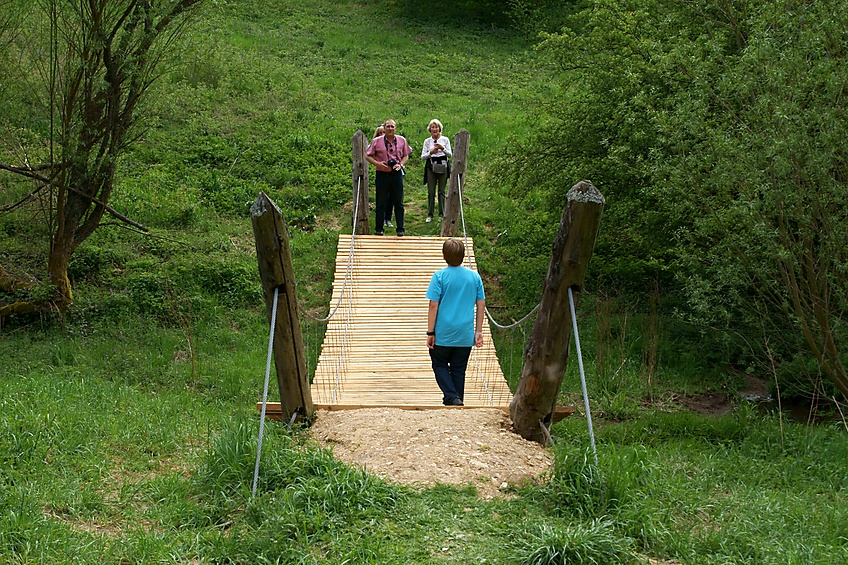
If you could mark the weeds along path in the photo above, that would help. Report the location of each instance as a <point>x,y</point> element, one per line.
<point>461,447</point>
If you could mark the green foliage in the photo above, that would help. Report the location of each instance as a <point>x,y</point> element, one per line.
<point>101,425</point>
<point>582,489</point>
<point>545,16</point>
<point>661,427</point>
<point>582,544</point>
<point>713,133</point>
<point>306,498</point>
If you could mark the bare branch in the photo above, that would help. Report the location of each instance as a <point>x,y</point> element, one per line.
<point>27,172</point>
<point>24,200</point>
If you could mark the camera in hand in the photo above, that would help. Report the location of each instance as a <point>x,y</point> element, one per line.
<point>392,163</point>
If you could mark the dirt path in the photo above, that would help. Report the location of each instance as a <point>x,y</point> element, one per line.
<point>428,447</point>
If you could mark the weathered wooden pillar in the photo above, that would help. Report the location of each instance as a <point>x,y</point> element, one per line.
<point>276,271</point>
<point>546,355</point>
<point>360,183</point>
<point>451,222</point>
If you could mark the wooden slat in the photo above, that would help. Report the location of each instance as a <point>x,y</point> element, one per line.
<point>376,339</point>
<point>273,410</point>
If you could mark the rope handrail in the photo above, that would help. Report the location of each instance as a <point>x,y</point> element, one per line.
<point>512,325</point>
<point>468,259</point>
<point>488,314</point>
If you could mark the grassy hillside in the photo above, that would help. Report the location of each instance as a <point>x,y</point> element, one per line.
<point>127,426</point>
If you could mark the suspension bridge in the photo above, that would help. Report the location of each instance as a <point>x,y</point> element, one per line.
<point>372,348</point>
<point>374,351</point>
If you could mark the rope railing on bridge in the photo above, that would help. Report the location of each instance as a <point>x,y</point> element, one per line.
<point>507,350</point>
<point>346,291</point>
<point>319,337</point>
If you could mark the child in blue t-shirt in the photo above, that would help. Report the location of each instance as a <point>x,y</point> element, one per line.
<point>452,325</point>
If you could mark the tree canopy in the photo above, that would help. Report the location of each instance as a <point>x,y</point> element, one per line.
<point>716,131</point>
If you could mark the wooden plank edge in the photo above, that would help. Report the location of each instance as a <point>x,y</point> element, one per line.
<point>274,411</point>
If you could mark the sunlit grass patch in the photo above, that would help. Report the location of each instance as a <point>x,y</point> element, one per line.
<point>579,543</point>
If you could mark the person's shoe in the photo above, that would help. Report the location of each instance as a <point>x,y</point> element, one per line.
<point>379,233</point>
<point>429,219</point>
<point>400,233</point>
<point>455,402</point>
<point>388,223</point>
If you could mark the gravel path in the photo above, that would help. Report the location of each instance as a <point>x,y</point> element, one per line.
<point>443,446</point>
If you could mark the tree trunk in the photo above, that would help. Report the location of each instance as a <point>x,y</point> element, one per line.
<point>546,355</point>
<point>112,50</point>
<point>57,264</point>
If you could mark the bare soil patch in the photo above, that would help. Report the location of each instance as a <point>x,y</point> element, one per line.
<point>713,404</point>
<point>462,447</point>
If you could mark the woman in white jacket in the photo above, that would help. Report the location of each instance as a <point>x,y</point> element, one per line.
<point>436,150</point>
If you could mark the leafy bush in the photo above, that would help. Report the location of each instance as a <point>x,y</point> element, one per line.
<point>721,167</point>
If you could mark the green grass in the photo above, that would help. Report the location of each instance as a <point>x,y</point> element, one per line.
<point>127,425</point>
<point>102,466</point>
<point>112,451</point>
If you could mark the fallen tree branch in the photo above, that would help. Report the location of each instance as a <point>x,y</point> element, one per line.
<point>150,235</point>
<point>29,172</point>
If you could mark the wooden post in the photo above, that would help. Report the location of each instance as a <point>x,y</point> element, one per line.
<point>546,355</point>
<point>450,224</point>
<point>360,184</point>
<point>276,271</point>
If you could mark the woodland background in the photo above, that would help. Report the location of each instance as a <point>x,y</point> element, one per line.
<point>715,130</point>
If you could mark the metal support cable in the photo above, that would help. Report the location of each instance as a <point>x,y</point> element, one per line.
<point>582,375</point>
<point>265,390</point>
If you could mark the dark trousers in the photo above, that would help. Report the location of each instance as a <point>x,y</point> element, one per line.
<point>389,185</point>
<point>432,180</point>
<point>449,365</point>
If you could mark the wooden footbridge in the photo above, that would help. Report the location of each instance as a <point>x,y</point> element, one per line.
<point>375,346</point>
<point>374,351</point>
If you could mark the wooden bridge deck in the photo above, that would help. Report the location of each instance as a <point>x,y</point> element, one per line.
<point>375,345</point>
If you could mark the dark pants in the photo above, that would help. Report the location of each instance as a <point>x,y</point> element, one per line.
<point>449,365</point>
<point>388,217</point>
<point>432,180</point>
<point>389,185</point>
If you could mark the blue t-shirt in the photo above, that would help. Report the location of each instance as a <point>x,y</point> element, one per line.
<point>457,290</point>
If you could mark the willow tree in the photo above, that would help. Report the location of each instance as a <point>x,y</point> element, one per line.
<point>98,59</point>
